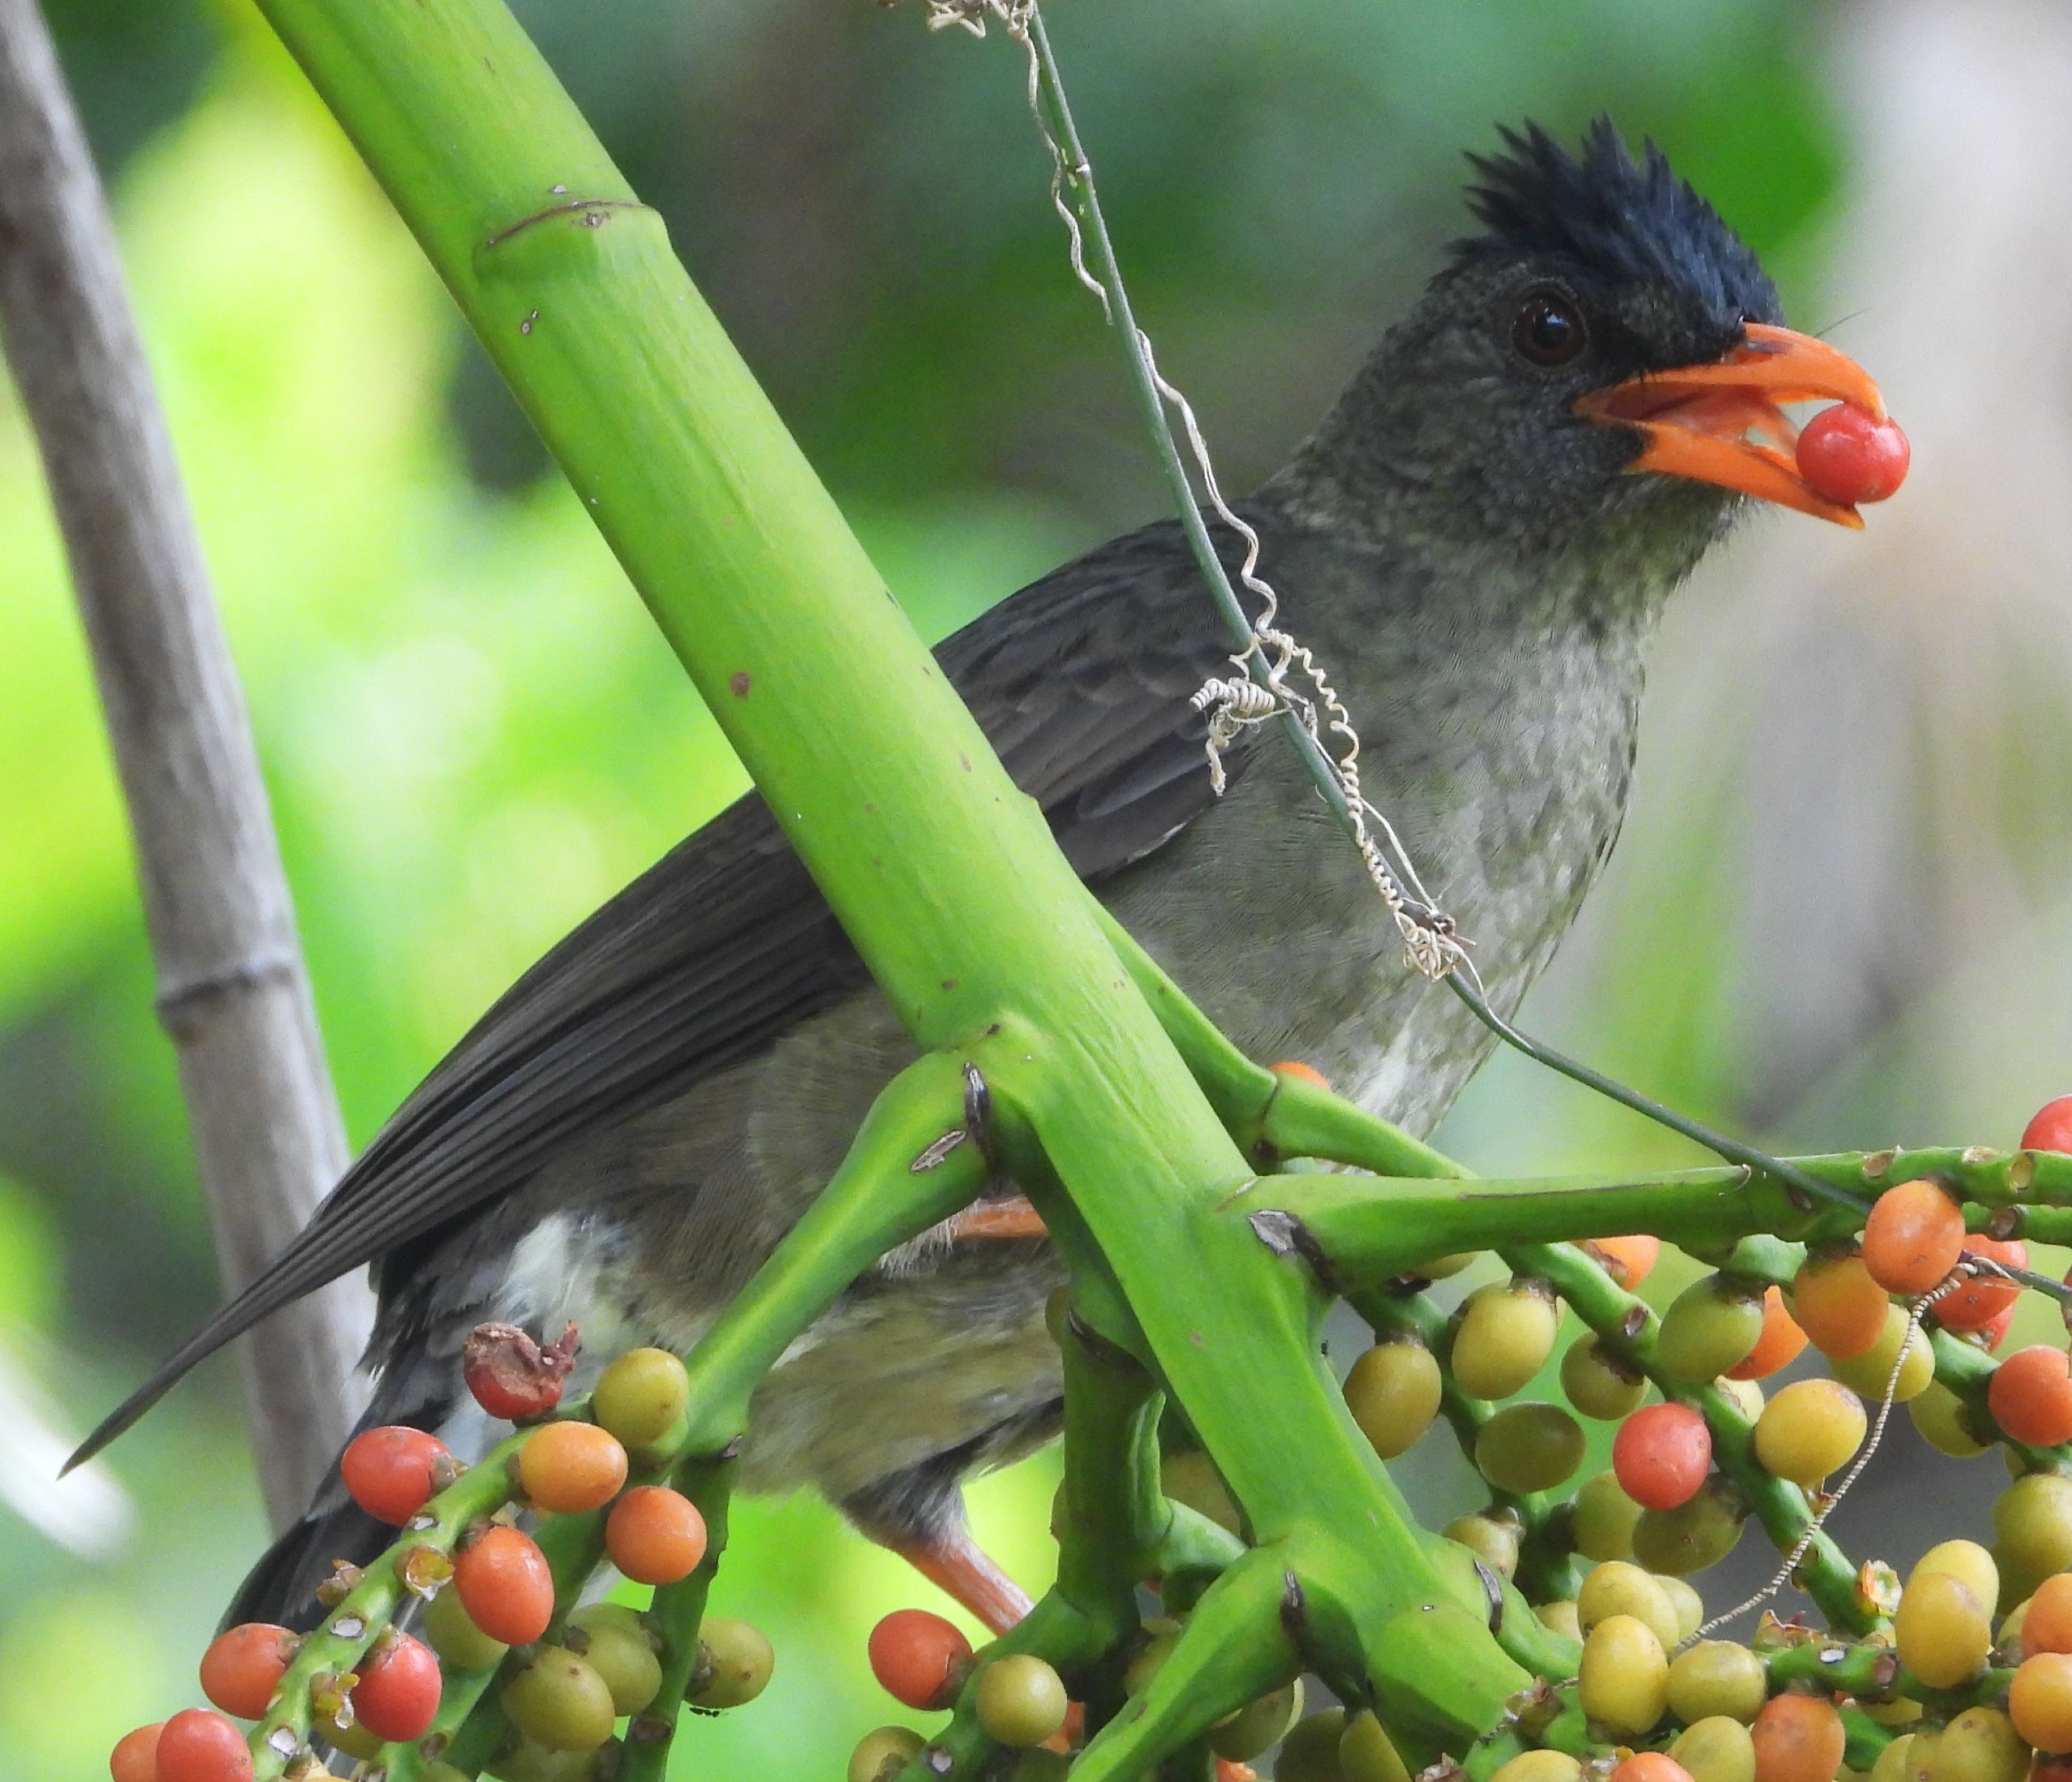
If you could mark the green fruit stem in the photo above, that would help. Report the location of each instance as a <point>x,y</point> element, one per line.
<point>679,1610</point>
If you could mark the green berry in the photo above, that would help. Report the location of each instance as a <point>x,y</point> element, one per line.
<point>1711,1327</point>
<point>559,1701</point>
<point>1259,1725</point>
<point>1528,1447</point>
<point>640,1396</point>
<point>618,1646</point>
<point>1505,1335</point>
<point>880,1756</point>
<point>461,1646</point>
<point>1600,1384</point>
<point>1021,1700</point>
<point>1393,1393</point>
<point>734,1664</point>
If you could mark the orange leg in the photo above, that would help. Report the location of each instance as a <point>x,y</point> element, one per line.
<point>959,1566</point>
<point>1013,1218</point>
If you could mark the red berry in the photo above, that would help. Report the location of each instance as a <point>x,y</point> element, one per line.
<point>2031,1396</point>
<point>511,1375</point>
<point>1978,1301</point>
<point>1661,1454</point>
<point>388,1470</point>
<point>505,1586</point>
<point>920,1658</point>
<point>2051,1130</point>
<point>135,1757</point>
<point>198,1745</point>
<point>1994,1331</point>
<point>398,1691</point>
<point>1847,456</point>
<point>243,1664</point>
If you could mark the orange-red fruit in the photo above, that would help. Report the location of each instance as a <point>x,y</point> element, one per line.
<point>1661,1454</point>
<point>1628,1261</point>
<point>2051,1130</point>
<point>1650,1767</point>
<point>654,1535</point>
<point>1295,1067</point>
<point>1913,1236</point>
<point>506,1585</point>
<point>1838,1306</point>
<point>1977,1300</point>
<point>2039,1702</point>
<point>1994,1331</point>
<point>398,1691</point>
<point>388,1470</point>
<point>1797,1738</point>
<point>243,1664</point>
<point>2047,1626</point>
<point>1845,455</point>
<point>135,1757</point>
<point>1778,1345</point>
<point>2031,1396</point>
<point>920,1658</point>
<point>572,1466</point>
<point>512,1377</point>
<point>198,1745</point>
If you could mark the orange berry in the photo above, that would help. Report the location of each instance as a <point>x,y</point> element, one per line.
<point>2047,1626</point>
<point>920,1659</point>
<point>654,1535</point>
<point>243,1665</point>
<point>1650,1767</point>
<point>1797,1738</point>
<point>2039,1702</point>
<point>2031,1396</point>
<point>388,1470</point>
<point>571,1466</point>
<point>1979,1300</point>
<point>503,1583</point>
<point>398,1690</point>
<point>198,1745</point>
<point>1838,1306</point>
<point>1660,1456</point>
<point>1778,1347</point>
<point>1994,1331</point>
<point>1628,1261</point>
<point>1294,1067</point>
<point>135,1757</point>
<point>1913,1236</point>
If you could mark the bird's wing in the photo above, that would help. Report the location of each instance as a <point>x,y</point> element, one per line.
<point>1082,681</point>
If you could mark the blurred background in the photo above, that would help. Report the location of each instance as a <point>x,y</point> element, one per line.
<point>1838,917</point>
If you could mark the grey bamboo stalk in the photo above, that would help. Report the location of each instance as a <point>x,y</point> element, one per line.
<point>233,993</point>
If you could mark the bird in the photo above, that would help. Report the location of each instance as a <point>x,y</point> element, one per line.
<point>1478,539</point>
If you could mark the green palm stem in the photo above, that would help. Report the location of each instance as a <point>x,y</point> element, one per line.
<point>679,1608</point>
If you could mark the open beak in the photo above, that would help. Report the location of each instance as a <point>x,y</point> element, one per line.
<point>1722,423</point>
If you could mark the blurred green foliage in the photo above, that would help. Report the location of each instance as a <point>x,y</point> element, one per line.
<point>472,733</point>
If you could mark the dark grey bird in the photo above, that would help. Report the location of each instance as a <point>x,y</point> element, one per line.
<point>1477,540</point>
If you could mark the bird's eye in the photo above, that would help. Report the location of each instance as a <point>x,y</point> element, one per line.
<point>1549,330</point>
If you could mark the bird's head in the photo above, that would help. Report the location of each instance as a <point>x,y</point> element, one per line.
<point>1607,351</point>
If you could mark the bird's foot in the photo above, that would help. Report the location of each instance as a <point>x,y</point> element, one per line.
<point>959,1566</point>
<point>1013,1218</point>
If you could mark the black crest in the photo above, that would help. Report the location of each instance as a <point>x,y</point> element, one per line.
<point>1622,220</point>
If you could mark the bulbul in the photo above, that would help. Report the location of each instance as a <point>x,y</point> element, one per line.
<point>1478,541</point>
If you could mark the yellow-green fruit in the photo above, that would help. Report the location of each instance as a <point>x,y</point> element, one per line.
<point>1040,1765</point>
<point>1367,1754</point>
<point>1716,1677</point>
<point>1529,1448</point>
<point>2032,1526</point>
<point>1964,1559</point>
<point>1868,1372</point>
<point>461,1646</point>
<point>1619,1587</point>
<point>879,1756</point>
<point>1600,1384</point>
<point>1191,1478</point>
<point>1021,1700</point>
<point>527,1762</point>
<point>1493,1540</point>
<point>1393,1393</point>
<point>1539,1766</point>
<point>1604,1518</point>
<point>1444,1268</point>
<point>557,1701</point>
<point>1257,1726</point>
<point>1943,1633</point>
<point>1716,1748</point>
<point>1688,1604</point>
<point>1921,1753</point>
<point>1505,1336</point>
<point>1980,1745</point>
<point>1163,1637</point>
<point>1689,1538</point>
<point>733,1666</point>
<point>640,1396</point>
<point>1901,1711</point>
<point>1310,1753</point>
<point>1895,1762</point>
<point>1745,1395</point>
<point>621,1649</point>
<point>354,1740</point>
<point>1711,1326</point>
<point>1561,1617</point>
<point>1625,1677</point>
<point>1811,1428</point>
<point>2008,1639</point>
<point>1944,1423</point>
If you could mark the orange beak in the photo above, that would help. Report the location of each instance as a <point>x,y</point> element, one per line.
<point>1721,423</point>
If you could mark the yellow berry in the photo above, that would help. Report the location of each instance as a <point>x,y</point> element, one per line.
<point>1716,1677</point>
<point>1811,1429</point>
<point>1625,1676</point>
<point>1716,1748</point>
<point>1943,1633</point>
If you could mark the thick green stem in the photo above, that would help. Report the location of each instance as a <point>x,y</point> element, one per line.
<point>680,1608</point>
